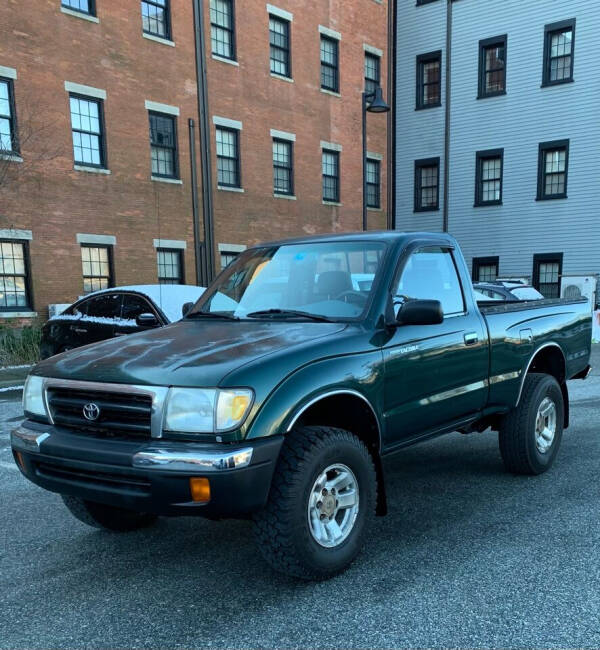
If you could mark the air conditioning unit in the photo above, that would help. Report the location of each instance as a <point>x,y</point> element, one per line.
<point>57,308</point>
<point>577,286</point>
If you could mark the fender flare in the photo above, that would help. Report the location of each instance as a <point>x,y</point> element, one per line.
<point>533,356</point>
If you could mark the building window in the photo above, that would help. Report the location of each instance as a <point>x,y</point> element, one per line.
<point>228,157</point>
<point>492,67</point>
<point>559,45</point>
<point>8,130</point>
<point>547,270</point>
<point>222,35</point>
<point>155,18</point>
<point>372,73</point>
<point>88,137</point>
<point>170,266</point>
<point>427,184</point>
<point>97,267</point>
<point>329,64</point>
<point>373,172</point>
<point>14,280</point>
<point>553,168</point>
<point>279,42</point>
<point>227,257</point>
<point>488,177</point>
<point>429,80</point>
<point>163,145</point>
<point>331,175</point>
<point>83,6</point>
<point>283,171</point>
<point>485,269</point>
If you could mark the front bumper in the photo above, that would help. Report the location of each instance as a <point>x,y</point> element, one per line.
<point>147,476</point>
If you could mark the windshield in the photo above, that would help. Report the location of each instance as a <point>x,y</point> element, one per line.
<point>325,281</point>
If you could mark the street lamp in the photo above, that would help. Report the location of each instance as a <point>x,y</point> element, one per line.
<point>373,103</point>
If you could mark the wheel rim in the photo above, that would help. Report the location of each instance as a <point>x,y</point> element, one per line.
<point>545,425</point>
<point>333,505</point>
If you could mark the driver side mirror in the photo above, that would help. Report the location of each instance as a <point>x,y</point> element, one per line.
<point>420,312</point>
<point>186,307</point>
<point>147,320</point>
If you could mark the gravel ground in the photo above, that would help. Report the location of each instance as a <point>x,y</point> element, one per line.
<point>468,556</point>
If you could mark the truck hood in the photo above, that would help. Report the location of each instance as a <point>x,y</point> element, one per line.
<point>187,353</point>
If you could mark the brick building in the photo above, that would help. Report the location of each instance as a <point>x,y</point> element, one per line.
<point>95,100</point>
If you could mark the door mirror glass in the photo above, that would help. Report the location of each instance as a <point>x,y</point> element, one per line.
<point>186,307</point>
<point>146,320</point>
<point>420,312</point>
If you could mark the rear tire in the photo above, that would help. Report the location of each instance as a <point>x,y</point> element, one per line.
<point>530,435</point>
<point>309,529</point>
<point>100,515</point>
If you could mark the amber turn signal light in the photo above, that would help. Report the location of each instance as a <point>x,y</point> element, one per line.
<point>200,489</point>
<point>19,459</point>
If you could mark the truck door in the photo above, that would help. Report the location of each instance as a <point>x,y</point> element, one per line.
<point>434,374</point>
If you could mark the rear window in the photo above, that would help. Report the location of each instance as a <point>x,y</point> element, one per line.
<point>526,293</point>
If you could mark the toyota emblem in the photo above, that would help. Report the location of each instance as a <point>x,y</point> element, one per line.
<point>91,411</point>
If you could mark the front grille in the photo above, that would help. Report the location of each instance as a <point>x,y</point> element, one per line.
<point>94,478</point>
<point>121,414</point>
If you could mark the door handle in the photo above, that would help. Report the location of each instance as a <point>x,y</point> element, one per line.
<point>120,333</point>
<point>79,330</point>
<point>471,338</point>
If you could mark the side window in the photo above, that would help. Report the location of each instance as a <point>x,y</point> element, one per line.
<point>107,305</point>
<point>133,306</point>
<point>430,274</point>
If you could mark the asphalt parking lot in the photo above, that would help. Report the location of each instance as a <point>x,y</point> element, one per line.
<point>468,556</point>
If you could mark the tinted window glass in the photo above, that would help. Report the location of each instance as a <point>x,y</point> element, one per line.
<point>133,306</point>
<point>430,274</point>
<point>105,306</point>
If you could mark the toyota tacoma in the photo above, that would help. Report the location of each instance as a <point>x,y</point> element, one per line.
<point>284,390</point>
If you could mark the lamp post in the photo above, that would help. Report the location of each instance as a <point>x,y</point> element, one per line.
<point>372,103</point>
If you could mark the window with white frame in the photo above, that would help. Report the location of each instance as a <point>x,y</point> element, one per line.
<point>82,6</point>
<point>163,145</point>
<point>8,135</point>
<point>228,157</point>
<point>96,263</point>
<point>155,18</point>
<point>283,172</point>
<point>279,46</point>
<point>222,34</point>
<point>87,129</point>
<point>170,266</point>
<point>373,172</point>
<point>14,280</point>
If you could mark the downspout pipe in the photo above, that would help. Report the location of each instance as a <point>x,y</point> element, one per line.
<point>204,135</point>
<point>391,116</point>
<point>198,254</point>
<point>447,105</point>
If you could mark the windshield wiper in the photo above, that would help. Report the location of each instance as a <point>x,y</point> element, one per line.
<point>284,313</point>
<point>212,314</point>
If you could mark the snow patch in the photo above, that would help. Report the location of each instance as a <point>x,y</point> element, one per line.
<point>24,365</point>
<point>9,388</point>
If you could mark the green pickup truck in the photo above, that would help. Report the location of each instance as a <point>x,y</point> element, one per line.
<point>284,390</point>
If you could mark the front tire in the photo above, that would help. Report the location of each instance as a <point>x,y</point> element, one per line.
<point>111,518</point>
<point>530,435</point>
<point>321,504</point>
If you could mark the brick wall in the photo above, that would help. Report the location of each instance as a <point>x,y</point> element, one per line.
<point>55,202</point>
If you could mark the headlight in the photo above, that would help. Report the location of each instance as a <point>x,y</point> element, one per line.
<point>206,410</point>
<point>33,397</point>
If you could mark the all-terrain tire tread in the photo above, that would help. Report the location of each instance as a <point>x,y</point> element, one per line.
<point>513,432</point>
<point>273,524</point>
